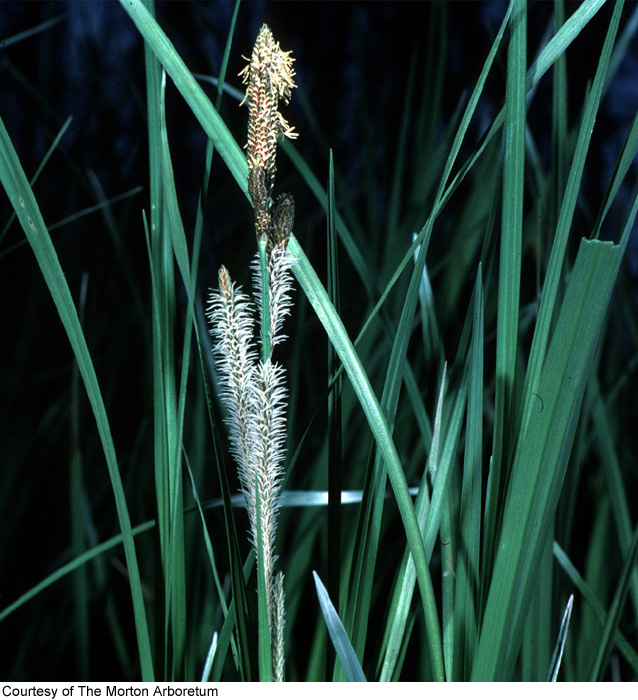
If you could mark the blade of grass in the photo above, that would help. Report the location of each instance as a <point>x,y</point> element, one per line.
<point>541,459</point>
<point>432,514</point>
<point>42,27</point>
<point>227,628</point>
<point>326,313</point>
<point>509,278</point>
<point>397,187</point>
<point>26,207</point>
<point>469,549</point>
<point>557,255</point>
<point>366,554</point>
<point>214,570</point>
<point>346,237</point>
<point>448,547</point>
<point>613,476</point>
<point>50,151</point>
<point>77,496</point>
<point>560,141</point>
<point>342,645</point>
<point>194,95</point>
<point>208,664</point>
<point>404,587</point>
<point>537,634</point>
<point>335,446</point>
<point>615,610</point>
<point>624,647</point>
<point>177,555</point>
<point>557,656</point>
<point>170,612</point>
<point>562,39</point>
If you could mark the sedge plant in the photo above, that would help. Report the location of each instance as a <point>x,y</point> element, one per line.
<point>254,389</point>
<point>444,471</point>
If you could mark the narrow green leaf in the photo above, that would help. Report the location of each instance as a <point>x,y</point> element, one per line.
<point>26,207</point>
<point>554,667</point>
<point>342,645</point>
<point>346,237</point>
<point>509,276</point>
<point>537,632</point>
<point>166,245</point>
<point>615,611</point>
<point>79,504</point>
<point>367,555</point>
<point>541,459</point>
<point>208,664</point>
<point>72,566</point>
<point>194,95</point>
<point>621,511</point>
<point>326,313</point>
<point>335,446</point>
<point>563,229</point>
<point>628,652</point>
<point>469,548</point>
<point>404,587</point>
<point>231,620</point>
<point>42,27</point>
<point>562,39</point>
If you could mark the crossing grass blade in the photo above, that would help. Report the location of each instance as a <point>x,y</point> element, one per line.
<point>615,610</point>
<point>541,459</point>
<point>196,98</point>
<point>469,547</point>
<point>552,675</point>
<point>343,647</point>
<point>164,222</point>
<point>335,414</point>
<point>389,400</point>
<point>26,208</point>
<point>509,275</point>
<point>333,325</point>
<point>395,633</point>
<point>629,653</point>
<point>568,205</point>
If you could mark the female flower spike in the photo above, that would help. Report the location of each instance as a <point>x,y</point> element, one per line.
<point>254,393</point>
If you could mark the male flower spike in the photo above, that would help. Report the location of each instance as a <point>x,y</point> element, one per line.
<point>269,76</point>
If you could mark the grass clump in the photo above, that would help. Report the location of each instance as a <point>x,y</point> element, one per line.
<point>444,472</point>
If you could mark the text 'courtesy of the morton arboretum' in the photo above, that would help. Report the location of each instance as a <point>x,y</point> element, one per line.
<point>110,691</point>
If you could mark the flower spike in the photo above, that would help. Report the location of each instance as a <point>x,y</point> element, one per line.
<point>253,387</point>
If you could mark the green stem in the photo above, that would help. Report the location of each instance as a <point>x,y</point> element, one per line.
<point>265,300</point>
<point>264,635</point>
